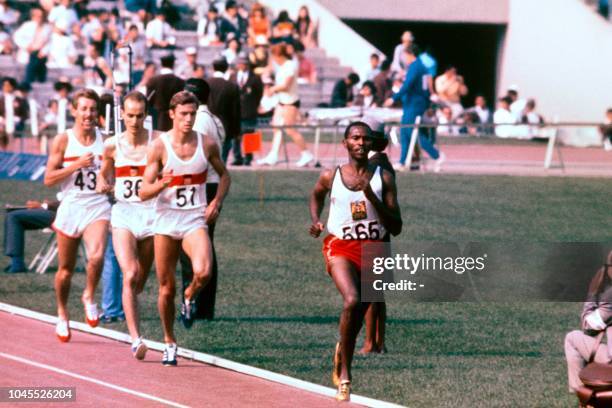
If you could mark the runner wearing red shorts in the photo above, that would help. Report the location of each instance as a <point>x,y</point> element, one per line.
<point>363,209</point>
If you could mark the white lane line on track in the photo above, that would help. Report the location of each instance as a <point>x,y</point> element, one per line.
<point>93,380</point>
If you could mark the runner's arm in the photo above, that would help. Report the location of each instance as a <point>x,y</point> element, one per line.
<point>107,169</point>
<point>151,185</point>
<point>317,202</point>
<point>55,172</point>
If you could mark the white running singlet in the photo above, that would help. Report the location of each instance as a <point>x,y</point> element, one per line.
<point>351,214</point>
<point>128,177</point>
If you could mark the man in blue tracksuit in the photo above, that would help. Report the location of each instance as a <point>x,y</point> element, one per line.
<point>414,95</point>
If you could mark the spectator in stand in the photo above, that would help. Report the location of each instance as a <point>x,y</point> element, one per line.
<point>49,122</point>
<point>480,114</point>
<point>398,65</point>
<point>530,116</point>
<point>251,92</point>
<point>185,70</point>
<point>372,70</point>
<point>606,131</point>
<point>140,52</point>
<point>503,118</point>
<point>232,23</point>
<point>8,16</point>
<point>259,59</point>
<point>13,111</point>
<point>137,6</point>
<point>96,70</point>
<point>446,125</point>
<point>450,87</point>
<point>260,28</point>
<point>148,73</point>
<point>64,15</point>
<point>367,96</point>
<point>307,73</point>
<point>232,48</point>
<point>6,44</point>
<point>306,28</point>
<point>342,94</point>
<point>92,30</point>
<point>383,83</point>
<point>160,90</point>
<point>269,100</point>
<point>209,28</point>
<point>287,111</point>
<point>283,29</point>
<point>199,71</point>
<point>517,105</point>
<point>60,51</point>
<point>159,33</point>
<point>31,39</point>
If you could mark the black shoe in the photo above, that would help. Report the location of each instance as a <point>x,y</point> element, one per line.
<point>414,167</point>
<point>188,311</point>
<point>169,358</point>
<point>238,162</point>
<point>9,269</point>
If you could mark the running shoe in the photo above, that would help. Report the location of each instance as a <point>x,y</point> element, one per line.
<point>344,391</point>
<point>438,162</point>
<point>139,349</point>
<point>91,314</point>
<point>305,159</point>
<point>336,366</point>
<point>169,358</point>
<point>188,312</point>
<point>62,331</point>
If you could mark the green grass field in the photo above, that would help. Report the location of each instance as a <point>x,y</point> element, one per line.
<point>277,309</point>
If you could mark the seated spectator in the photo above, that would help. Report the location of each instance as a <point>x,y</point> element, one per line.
<point>159,33</point>
<point>8,16</point>
<point>307,72</point>
<point>398,65</point>
<point>530,116</point>
<point>606,131</point>
<point>259,59</point>
<point>446,124</point>
<point>450,87</point>
<point>232,23</point>
<point>62,87</point>
<point>367,96</point>
<point>49,123</point>
<point>482,115</point>
<point>259,26</point>
<point>372,69</point>
<point>13,110</point>
<point>96,70</point>
<point>232,48</point>
<point>6,44</point>
<point>283,28</point>
<point>140,52</point>
<point>35,216</point>
<point>306,28</point>
<point>209,28</point>
<point>92,30</point>
<point>383,82</point>
<point>60,51</point>
<point>517,105</point>
<point>64,15</point>
<point>505,118</point>
<point>342,94</point>
<point>186,68</point>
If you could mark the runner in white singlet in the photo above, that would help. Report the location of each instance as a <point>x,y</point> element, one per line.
<point>74,162</point>
<point>176,173</point>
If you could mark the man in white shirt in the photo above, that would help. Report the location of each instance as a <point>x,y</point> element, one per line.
<point>505,118</point>
<point>159,33</point>
<point>60,51</point>
<point>31,38</point>
<point>398,65</point>
<point>65,14</point>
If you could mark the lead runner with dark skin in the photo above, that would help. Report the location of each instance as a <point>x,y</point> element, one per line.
<point>356,175</point>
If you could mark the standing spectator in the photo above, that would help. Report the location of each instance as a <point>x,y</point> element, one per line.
<point>431,65</point>
<point>306,28</point>
<point>259,26</point>
<point>532,119</point>
<point>414,94</point>
<point>224,102</point>
<point>232,23</point>
<point>307,72</point>
<point>6,45</point>
<point>606,131</point>
<point>62,87</point>
<point>49,123</point>
<point>251,92</point>
<point>140,52</point>
<point>482,114</point>
<point>398,64</point>
<point>342,94</point>
<point>112,286</point>
<point>64,15</point>
<point>148,73</point>
<point>383,83</point>
<point>373,69</point>
<point>259,59</point>
<point>185,70</point>
<point>31,38</point>
<point>13,111</point>
<point>92,30</point>
<point>367,96</point>
<point>450,87</point>
<point>503,118</point>
<point>60,51</point>
<point>517,105</point>
<point>232,48</point>
<point>159,33</point>
<point>8,16</point>
<point>286,112</point>
<point>446,126</point>
<point>283,28</point>
<point>97,72</point>
<point>160,90</point>
<point>209,28</point>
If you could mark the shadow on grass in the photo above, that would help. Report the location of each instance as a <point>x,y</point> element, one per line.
<point>318,320</point>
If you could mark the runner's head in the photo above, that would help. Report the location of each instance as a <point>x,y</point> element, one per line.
<point>358,140</point>
<point>134,111</point>
<point>85,108</point>
<point>183,107</point>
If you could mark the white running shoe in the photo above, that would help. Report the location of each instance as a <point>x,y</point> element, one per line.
<point>399,167</point>
<point>169,358</point>
<point>438,163</point>
<point>62,331</point>
<point>306,158</point>
<point>91,314</point>
<point>269,160</point>
<point>139,349</point>
<point>607,145</point>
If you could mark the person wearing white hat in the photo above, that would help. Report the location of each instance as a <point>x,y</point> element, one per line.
<point>186,68</point>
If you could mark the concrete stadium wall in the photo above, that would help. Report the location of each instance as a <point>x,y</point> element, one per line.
<point>449,11</point>
<point>560,53</point>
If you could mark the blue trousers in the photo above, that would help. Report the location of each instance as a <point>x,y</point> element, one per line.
<point>408,118</point>
<point>112,283</point>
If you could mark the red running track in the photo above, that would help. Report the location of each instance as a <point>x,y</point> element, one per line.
<point>107,374</point>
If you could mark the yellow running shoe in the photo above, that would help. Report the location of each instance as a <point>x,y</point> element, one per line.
<point>344,391</point>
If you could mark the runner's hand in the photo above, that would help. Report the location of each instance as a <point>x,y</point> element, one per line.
<point>316,229</point>
<point>166,178</point>
<point>85,160</point>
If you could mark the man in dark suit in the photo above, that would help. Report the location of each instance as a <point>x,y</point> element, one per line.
<point>342,95</point>
<point>18,114</point>
<point>251,92</point>
<point>232,25</point>
<point>160,90</point>
<point>224,102</point>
